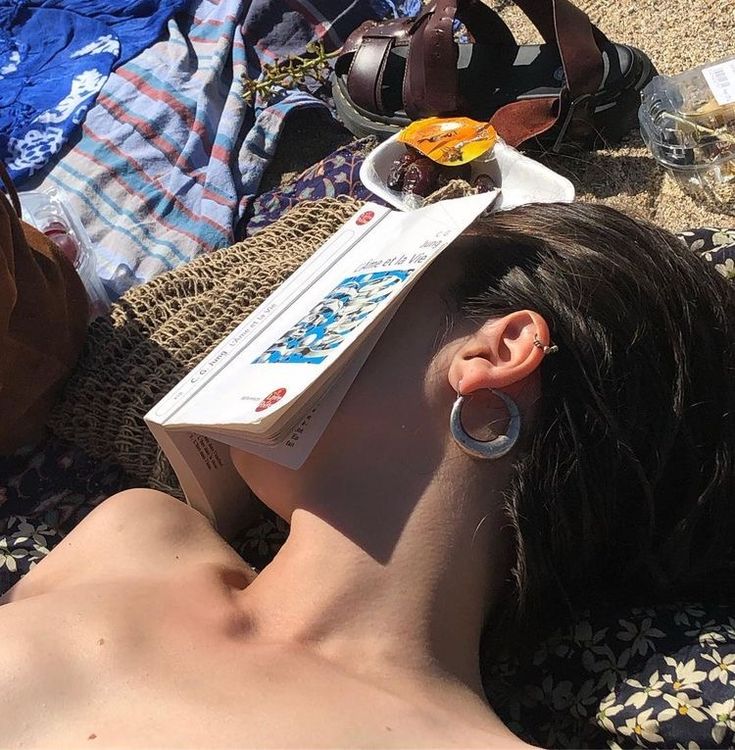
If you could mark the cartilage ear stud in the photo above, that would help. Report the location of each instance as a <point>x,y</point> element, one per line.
<point>545,348</point>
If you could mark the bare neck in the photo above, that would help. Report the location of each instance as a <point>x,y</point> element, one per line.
<point>405,582</point>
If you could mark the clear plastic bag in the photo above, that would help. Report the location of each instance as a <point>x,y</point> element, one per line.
<point>48,213</point>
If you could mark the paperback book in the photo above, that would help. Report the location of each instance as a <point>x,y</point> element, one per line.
<point>273,384</point>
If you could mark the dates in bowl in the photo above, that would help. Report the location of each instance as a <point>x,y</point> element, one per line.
<point>413,174</point>
<point>519,180</point>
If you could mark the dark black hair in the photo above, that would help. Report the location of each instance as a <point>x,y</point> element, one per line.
<point>624,489</point>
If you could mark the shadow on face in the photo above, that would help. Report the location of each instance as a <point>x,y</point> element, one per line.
<point>389,436</point>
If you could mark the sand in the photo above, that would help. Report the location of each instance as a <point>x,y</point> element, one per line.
<point>676,35</point>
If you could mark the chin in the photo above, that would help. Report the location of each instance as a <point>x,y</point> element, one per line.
<point>274,485</point>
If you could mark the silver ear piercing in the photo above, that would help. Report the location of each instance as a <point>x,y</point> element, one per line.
<point>545,348</point>
<point>486,449</point>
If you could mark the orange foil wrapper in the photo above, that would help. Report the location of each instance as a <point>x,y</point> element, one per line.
<point>449,140</point>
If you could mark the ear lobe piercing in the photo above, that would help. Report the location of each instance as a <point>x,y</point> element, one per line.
<point>545,348</point>
<point>486,449</point>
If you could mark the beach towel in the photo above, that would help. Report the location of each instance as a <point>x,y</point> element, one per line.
<point>171,155</point>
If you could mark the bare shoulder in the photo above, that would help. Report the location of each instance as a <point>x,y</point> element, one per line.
<point>132,533</point>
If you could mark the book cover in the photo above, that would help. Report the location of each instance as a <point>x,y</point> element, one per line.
<point>272,386</point>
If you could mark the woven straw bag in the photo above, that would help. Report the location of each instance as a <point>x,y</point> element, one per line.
<point>157,332</point>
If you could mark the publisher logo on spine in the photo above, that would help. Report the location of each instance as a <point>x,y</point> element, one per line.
<point>271,399</point>
<point>364,218</point>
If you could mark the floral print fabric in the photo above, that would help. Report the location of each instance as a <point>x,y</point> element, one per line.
<point>55,56</point>
<point>716,246</point>
<point>646,677</point>
<point>44,492</point>
<point>333,176</point>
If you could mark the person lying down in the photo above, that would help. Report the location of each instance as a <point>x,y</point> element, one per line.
<point>548,421</point>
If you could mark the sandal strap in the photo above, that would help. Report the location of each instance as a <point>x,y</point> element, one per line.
<point>365,75</point>
<point>430,83</point>
<point>524,119</point>
<point>394,28</point>
<point>370,44</point>
<point>579,42</point>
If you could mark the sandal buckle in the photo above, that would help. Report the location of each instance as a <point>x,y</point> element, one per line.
<point>577,109</point>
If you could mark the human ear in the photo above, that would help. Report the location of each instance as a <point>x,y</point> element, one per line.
<point>504,351</point>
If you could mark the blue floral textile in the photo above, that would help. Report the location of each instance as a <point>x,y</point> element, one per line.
<point>335,175</point>
<point>659,676</point>
<point>136,24</point>
<point>55,55</point>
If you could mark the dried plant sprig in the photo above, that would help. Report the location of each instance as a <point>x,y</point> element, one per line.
<point>293,72</point>
<point>722,132</point>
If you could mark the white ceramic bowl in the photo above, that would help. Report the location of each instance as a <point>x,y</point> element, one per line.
<point>521,180</point>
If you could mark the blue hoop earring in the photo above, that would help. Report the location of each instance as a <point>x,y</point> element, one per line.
<point>486,449</point>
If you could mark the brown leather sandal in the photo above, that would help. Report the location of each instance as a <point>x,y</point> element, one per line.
<point>578,90</point>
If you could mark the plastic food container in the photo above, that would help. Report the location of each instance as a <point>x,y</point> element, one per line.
<point>48,213</point>
<point>520,179</point>
<point>688,123</point>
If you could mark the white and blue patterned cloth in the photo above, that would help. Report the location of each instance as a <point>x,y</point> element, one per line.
<point>55,55</point>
